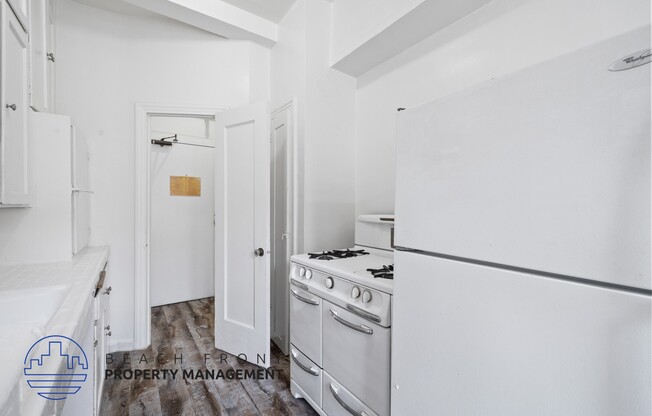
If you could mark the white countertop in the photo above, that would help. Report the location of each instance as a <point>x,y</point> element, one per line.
<point>78,277</point>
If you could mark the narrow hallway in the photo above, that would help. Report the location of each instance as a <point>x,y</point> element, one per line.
<point>186,330</point>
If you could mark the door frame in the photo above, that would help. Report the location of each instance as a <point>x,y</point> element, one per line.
<point>142,308</point>
<point>293,181</point>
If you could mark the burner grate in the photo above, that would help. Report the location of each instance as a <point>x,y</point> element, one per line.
<point>336,254</point>
<point>387,272</point>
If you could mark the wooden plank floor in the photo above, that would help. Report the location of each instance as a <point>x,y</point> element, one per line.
<point>187,329</point>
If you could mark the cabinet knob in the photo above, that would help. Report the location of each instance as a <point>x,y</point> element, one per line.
<point>108,290</point>
<point>12,106</point>
<point>108,333</point>
<point>50,56</point>
<point>107,327</point>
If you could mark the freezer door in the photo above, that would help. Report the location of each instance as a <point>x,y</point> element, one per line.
<point>545,169</point>
<point>473,340</point>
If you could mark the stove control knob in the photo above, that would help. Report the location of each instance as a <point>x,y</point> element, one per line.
<point>302,272</point>
<point>355,292</point>
<point>366,296</point>
<point>308,274</point>
<point>329,282</point>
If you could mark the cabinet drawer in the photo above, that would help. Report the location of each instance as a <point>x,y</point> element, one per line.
<point>306,374</point>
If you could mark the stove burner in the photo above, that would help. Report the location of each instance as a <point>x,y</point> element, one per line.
<point>336,254</point>
<point>387,272</point>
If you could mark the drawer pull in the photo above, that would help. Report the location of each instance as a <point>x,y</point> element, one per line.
<point>360,328</point>
<point>363,314</point>
<point>303,299</point>
<point>342,403</point>
<point>298,284</point>
<point>310,370</point>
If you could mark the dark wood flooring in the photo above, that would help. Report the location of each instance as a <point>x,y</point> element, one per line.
<point>187,329</point>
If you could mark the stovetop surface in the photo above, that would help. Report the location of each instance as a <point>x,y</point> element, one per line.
<point>354,268</point>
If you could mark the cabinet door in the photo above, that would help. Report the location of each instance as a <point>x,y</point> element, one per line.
<point>15,138</point>
<point>102,334</point>
<point>42,55</point>
<point>39,99</point>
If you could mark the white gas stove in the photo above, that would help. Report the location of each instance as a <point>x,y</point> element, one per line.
<point>340,318</point>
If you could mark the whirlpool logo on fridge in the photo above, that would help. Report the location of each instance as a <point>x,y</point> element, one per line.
<point>56,367</point>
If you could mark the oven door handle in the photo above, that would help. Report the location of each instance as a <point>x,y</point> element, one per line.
<point>342,403</point>
<point>309,370</point>
<point>360,328</point>
<point>303,299</point>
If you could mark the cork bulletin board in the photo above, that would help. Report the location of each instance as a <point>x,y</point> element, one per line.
<point>185,186</point>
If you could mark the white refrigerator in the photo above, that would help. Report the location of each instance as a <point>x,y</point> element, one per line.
<point>523,242</point>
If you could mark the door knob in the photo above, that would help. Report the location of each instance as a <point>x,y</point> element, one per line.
<point>12,106</point>
<point>259,252</point>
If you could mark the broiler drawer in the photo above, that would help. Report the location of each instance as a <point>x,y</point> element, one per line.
<point>306,374</point>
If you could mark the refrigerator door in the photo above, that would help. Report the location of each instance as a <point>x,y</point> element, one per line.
<point>474,340</point>
<point>545,169</point>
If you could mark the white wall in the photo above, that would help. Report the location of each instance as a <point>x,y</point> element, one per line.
<point>288,82</point>
<point>330,140</point>
<point>326,124</point>
<point>107,62</point>
<point>504,36</point>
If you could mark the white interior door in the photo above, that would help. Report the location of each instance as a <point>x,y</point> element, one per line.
<point>242,236</point>
<point>281,221</point>
<point>182,210</point>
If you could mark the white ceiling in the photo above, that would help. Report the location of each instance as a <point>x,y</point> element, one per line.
<point>273,10</point>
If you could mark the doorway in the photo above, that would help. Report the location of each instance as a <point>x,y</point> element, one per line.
<point>282,221</point>
<point>142,234</point>
<point>232,130</point>
<point>182,208</point>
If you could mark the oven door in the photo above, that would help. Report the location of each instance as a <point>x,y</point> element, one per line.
<point>357,355</point>
<point>305,323</point>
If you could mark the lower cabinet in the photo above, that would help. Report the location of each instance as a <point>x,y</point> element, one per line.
<point>102,336</point>
<point>81,403</point>
<point>94,340</point>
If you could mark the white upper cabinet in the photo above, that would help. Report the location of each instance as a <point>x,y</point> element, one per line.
<point>14,106</point>
<point>42,55</point>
